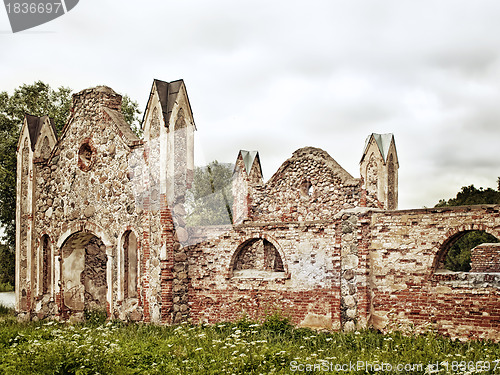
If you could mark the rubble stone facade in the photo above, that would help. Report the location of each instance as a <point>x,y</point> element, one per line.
<point>101,225</point>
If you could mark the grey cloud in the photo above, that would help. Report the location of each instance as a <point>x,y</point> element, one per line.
<point>276,76</point>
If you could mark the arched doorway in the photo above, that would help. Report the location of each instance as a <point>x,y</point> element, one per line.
<point>83,272</point>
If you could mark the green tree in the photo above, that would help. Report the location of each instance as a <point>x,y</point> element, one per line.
<point>469,195</point>
<point>459,254</point>
<point>7,261</point>
<point>209,201</point>
<point>37,99</point>
<point>131,112</point>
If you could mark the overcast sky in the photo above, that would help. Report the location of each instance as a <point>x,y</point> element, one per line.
<point>275,76</point>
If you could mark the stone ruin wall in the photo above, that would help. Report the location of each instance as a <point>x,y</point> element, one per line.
<point>84,274</point>
<point>88,186</point>
<point>102,183</point>
<point>227,284</point>
<point>405,285</point>
<point>367,269</point>
<point>313,243</point>
<point>82,185</point>
<point>309,186</point>
<point>486,258</point>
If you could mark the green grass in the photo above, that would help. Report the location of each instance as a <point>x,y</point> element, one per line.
<point>244,347</point>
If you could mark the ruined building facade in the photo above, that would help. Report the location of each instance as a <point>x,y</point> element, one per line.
<point>101,225</point>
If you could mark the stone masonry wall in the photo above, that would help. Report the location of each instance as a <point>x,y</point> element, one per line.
<point>308,186</point>
<point>102,214</point>
<point>384,273</point>
<point>100,183</point>
<point>87,184</point>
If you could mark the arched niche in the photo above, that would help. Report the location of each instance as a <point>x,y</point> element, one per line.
<point>129,264</point>
<point>46,265</point>
<point>372,175</point>
<point>258,258</point>
<point>154,127</point>
<point>23,226</point>
<point>391,184</point>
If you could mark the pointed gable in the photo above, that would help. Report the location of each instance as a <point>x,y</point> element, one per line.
<point>248,158</point>
<point>169,93</point>
<point>94,102</point>
<point>34,126</point>
<point>383,142</point>
<point>319,157</point>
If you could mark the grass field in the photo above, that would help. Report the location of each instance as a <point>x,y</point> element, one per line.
<point>245,347</point>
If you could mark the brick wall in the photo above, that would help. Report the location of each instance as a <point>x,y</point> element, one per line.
<point>308,288</point>
<point>407,288</point>
<point>486,258</point>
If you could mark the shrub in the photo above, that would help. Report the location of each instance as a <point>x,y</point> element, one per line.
<point>277,322</point>
<point>272,346</point>
<point>5,310</point>
<point>95,316</point>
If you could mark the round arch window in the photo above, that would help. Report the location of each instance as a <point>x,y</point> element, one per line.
<point>306,189</point>
<point>86,155</point>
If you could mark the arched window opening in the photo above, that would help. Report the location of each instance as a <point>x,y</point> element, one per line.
<point>257,258</point>
<point>23,254</point>
<point>46,264</point>
<point>129,248</point>
<point>458,250</point>
<point>372,175</point>
<point>45,150</point>
<point>86,155</point>
<point>391,188</point>
<point>34,268</point>
<point>154,130</point>
<point>306,189</point>
<point>180,154</point>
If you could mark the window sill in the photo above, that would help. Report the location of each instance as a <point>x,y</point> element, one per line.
<point>259,275</point>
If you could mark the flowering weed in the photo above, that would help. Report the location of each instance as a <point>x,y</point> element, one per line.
<point>243,347</point>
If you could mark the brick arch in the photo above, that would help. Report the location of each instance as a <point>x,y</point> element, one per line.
<point>126,229</point>
<point>86,227</point>
<point>452,235</point>
<point>248,240</point>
